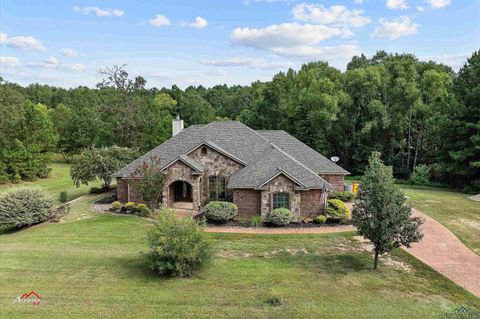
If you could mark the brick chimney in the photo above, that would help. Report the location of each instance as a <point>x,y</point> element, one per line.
<point>177,125</point>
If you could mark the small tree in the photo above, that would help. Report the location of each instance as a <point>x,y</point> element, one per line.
<point>380,213</point>
<point>149,182</point>
<point>99,163</point>
<point>421,175</point>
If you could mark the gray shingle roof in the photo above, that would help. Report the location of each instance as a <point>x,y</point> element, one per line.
<point>264,154</point>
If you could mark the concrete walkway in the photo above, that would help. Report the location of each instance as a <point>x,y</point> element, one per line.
<point>444,252</point>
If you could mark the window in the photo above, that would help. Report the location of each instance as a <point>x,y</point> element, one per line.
<point>281,200</point>
<point>204,150</point>
<point>216,186</point>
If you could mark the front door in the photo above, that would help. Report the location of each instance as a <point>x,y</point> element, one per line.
<point>183,191</point>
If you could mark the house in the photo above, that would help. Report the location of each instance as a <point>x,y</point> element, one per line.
<point>258,170</point>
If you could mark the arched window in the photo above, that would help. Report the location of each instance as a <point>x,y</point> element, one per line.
<point>204,150</point>
<point>281,200</point>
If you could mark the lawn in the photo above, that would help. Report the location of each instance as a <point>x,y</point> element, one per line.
<point>454,210</point>
<point>90,266</point>
<point>58,181</point>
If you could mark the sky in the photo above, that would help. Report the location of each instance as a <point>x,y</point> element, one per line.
<point>65,43</point>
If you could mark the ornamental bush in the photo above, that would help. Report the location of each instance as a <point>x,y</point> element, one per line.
<point>280,216</point>
<point>130,206</point>
<point>143,210</point>
<point>337,210</point>
<point>343,196</point>
<point>116,205</point>
<point>220,212</point>
<point>25,206</point>
<point>177,247</point>
<point>321,219</point>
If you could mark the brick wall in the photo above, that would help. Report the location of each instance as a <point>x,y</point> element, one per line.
<point>310,203</point>
<point>123,188</point>
<point>248,202</point>
<point>337,181</point>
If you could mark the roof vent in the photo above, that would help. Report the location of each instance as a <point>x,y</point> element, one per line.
<point>177,125</point>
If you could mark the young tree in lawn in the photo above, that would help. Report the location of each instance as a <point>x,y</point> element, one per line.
<point>380,213</point>
<point>99,163</point>
<point>149,181</point>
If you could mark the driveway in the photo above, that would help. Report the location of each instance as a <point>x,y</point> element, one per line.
<point>444,252</point>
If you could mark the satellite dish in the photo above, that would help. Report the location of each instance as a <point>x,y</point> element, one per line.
<point>335,159</point>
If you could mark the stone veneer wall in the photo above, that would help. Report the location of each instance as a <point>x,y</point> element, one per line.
<point>280,184</point>
<point>214,163</point>
<point>247,201</point>
<point>181,172</point>
<point>337,181</point>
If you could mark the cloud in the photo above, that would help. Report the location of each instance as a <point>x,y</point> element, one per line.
<point>246,62</point>
<point>339,52</point>
<point>439,3</point>
<point>456,61</point>
<point>100,12</point>
<point>285,35</point>
<point>420,9</point>
<point>395,28</point>
<point>397,4</point>
<point>159,20</point>
<point>51,60</point>
<point>359,1</point>
<point>77,67</point>
<point>199,23</point>
<point>71,53</point>
<point>336,15</point>
<point>22,42</point>
<point>217,72</point>
<point>10,61</point>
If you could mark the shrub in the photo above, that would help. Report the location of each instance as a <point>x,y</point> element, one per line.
<point>421,175</point>
<point>337,210</point>
<point>96,190</point>
<point>63,198</point>
<point>130,206</point>
<point>321,219</point>
<point>220,212</point>
<point>116,205</point>
<point>143,210</point>
<point>343,196</point>
<point>25,206</point>
<point>177,247</point>
<point>256,221</point>
<point>280,216</point>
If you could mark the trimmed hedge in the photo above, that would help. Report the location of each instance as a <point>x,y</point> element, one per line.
<point>280,216</point>
<point>343,196</point>
<point>321,219</point>
<point>25,206</point>
<point>220,212</point>
<point>337,210</point>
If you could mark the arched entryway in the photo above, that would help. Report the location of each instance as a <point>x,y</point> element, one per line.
<point>181,195</point>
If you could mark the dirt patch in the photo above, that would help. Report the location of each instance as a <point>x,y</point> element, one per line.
<point>475,198</point>
<point>469,223</point>
<point>396,264</point>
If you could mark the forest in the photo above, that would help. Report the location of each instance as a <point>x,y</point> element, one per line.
<point>415,113</point>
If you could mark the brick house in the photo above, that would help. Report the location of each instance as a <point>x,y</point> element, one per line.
<point>258,170</point>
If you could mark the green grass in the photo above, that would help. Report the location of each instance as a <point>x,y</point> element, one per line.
<point>454,210</point>
<point>90,267</point>
<point>58,181</point>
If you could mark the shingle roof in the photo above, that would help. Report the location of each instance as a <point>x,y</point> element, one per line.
<point>264,154</point>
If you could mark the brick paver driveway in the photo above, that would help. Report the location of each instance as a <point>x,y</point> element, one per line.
<point>444,252</point>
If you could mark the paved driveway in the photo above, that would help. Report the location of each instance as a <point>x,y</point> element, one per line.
<point>444,252</point>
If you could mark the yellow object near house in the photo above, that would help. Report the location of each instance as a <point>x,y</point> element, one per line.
<point>354,187</point>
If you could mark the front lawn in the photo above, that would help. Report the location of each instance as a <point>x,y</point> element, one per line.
<point>58,181</point>
<point>90,267</point>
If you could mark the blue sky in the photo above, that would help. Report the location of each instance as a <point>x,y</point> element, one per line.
<point>65,43</point>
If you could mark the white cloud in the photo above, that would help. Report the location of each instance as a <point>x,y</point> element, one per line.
<point>439,3</point>
<point>395,28</point>
<point>339,52</point>
<point>71,53</point>
<point>199,23</point>
<point>337,15</point>
<point>159,20</point>
<point>420,8</point>
<point>359,1</point>
<point>100,12</point>
<point>51,60</point>
<point>285,35</point>
<point>10,61</point>
<point>22,42</point>
<point>397,4</point>
<point>217,72</point>
<point>247,62</point>
<point>456,61</point>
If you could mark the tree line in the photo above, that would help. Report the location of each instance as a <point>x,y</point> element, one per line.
<point>411,111</point>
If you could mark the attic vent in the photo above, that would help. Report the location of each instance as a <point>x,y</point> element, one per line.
<point>204,150</point>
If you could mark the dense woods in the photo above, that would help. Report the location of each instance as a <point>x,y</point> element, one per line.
<point>413,112</point>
